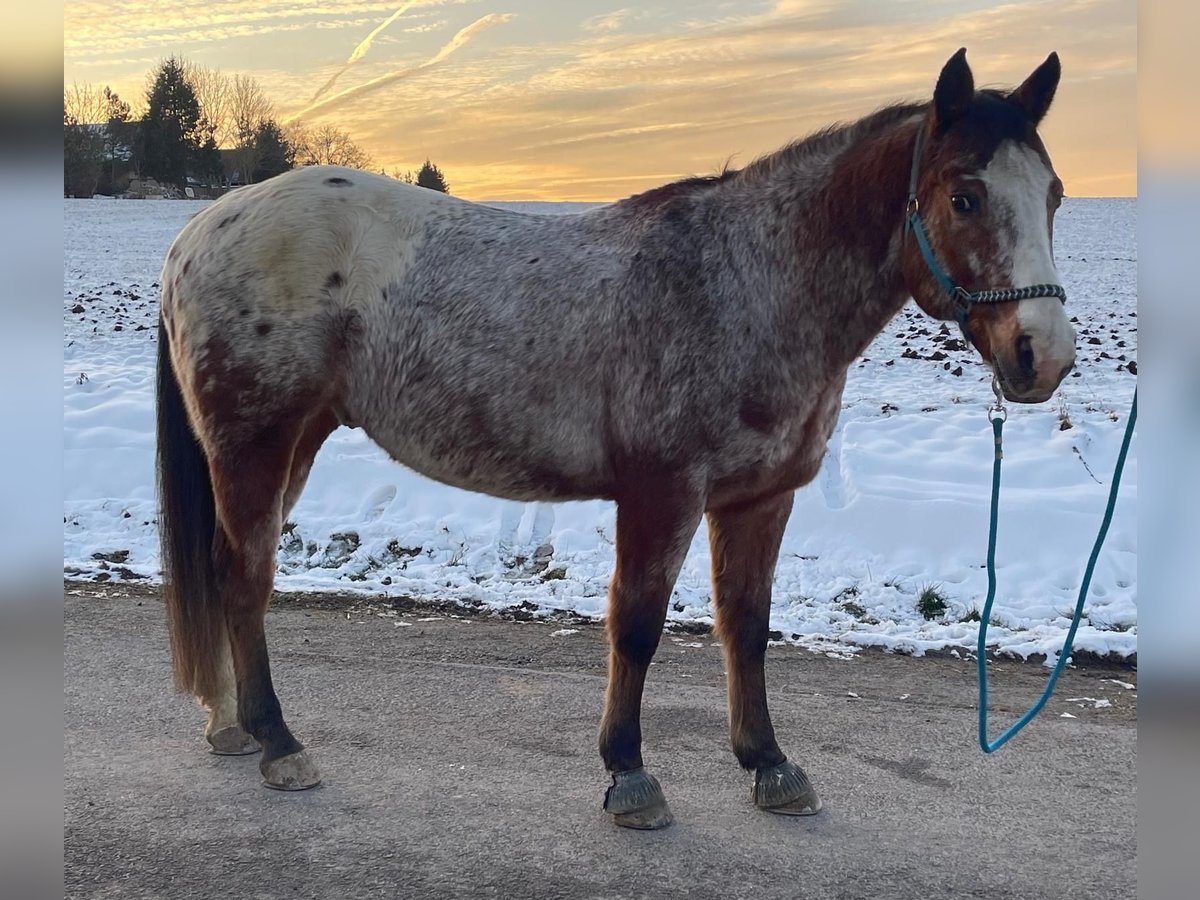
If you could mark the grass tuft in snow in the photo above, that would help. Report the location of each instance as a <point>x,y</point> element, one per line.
<point>931,602</point>
<point>1064,416</point>
<point>855,609</point>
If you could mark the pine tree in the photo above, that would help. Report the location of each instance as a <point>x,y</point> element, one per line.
<point>208,167</point>
<point>273,153</point>
<point>430,176</point>
<point>118,135</point>
<point>170,135</point>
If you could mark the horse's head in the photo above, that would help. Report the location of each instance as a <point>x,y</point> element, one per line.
<point>986,192</point>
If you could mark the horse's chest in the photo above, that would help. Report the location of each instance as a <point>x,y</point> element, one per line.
<point>784,457</point>
<point>797,458</point>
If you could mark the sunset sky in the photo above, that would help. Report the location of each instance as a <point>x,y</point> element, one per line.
<point>556,100</point>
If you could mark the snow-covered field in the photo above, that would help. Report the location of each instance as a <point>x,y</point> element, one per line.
<point>900,505</point>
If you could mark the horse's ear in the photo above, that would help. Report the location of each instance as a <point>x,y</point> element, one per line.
<point>955,90</point>
<point>1036,94</point>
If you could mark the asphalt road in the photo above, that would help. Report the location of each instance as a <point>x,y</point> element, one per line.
<point>459,758</point>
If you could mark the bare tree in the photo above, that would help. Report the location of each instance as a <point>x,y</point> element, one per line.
<point>85,104</point>
<point>328,146</point>
<point>85,120</point>
<point>249,108</point>
<point>213,89</point>
<point>296,134</point>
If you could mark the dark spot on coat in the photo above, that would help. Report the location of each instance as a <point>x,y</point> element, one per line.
<point>187,264</point>
<point>334,280</point>
<point>229,220</point>
<point>243,312</point>
<point>756,413</point>
<point>337,179</point>
<point>262,328</point>
<point>533,260</point>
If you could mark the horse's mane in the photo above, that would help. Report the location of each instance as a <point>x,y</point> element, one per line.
<point>673,190</point>
<point>827,140</point>
<point>994,114</point>
<point>833,138</point>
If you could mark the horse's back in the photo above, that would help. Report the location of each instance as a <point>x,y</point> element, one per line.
<point>289,257</point>
<point>276,245</point>
<point>417,316</point>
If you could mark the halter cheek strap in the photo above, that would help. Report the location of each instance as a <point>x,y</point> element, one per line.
<point>963,299</point>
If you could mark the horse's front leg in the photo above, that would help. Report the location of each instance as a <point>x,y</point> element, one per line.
<point>655,525</point>
<point>745,546</point>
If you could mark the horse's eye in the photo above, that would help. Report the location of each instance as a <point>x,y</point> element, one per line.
<point>964,203</point>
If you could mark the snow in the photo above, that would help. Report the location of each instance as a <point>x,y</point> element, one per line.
<point>901,502</point>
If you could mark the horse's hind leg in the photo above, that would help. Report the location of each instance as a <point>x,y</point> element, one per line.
<point>655,525</point>
<point>251,482</point>
<point>745,546</point>
<point>224,734</point>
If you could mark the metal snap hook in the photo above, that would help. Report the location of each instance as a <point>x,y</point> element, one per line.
<point>997,410</point>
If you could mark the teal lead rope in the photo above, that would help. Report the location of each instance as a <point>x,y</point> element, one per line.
<point>998,416</point>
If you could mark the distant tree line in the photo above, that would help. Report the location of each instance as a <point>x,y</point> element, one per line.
<point>428,176</point>
<point>197,126</point>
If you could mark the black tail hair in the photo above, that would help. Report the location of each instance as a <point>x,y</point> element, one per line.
<point>187,523</point>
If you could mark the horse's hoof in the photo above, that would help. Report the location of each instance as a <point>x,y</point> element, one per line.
<point>785,790</point>
<point>636,800</point>
<point>232,740</point>
<point>294,772</point>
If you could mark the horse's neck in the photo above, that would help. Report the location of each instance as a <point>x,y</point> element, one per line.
<point>833,265</point>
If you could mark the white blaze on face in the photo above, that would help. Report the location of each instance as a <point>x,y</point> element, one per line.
<point>1018,185</point>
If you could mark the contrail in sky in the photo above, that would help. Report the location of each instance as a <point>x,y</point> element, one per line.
<point>364,45</point>
<point>467,33</point>
<point>455,43</point>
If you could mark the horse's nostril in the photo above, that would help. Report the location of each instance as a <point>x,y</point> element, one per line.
<point>1025,354</point>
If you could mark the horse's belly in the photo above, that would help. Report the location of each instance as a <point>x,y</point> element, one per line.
<point>520,465</point>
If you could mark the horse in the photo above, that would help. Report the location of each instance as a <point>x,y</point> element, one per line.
<point>681,352</point>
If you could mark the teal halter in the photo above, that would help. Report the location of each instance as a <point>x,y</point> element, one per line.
<point>963,299</point>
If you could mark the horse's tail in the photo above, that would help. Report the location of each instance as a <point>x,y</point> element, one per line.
<point>186,526</point>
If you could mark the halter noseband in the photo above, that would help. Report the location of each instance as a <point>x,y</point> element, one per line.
<point>963,299</point>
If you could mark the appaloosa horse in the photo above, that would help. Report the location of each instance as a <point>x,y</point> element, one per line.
<point>682,352</point>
